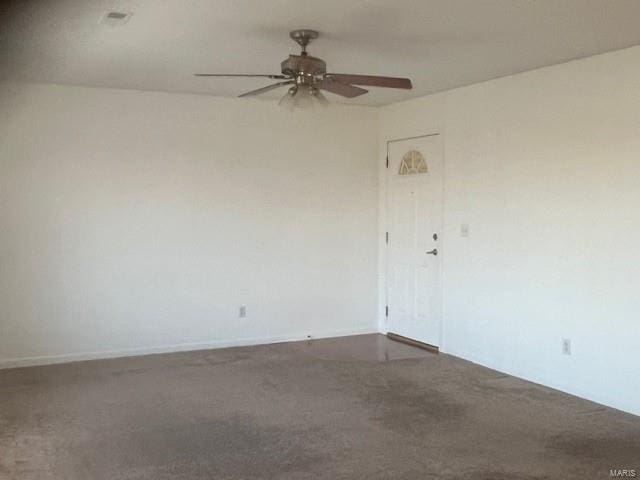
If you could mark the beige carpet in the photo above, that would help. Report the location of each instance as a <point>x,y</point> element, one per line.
<point>353,408</point>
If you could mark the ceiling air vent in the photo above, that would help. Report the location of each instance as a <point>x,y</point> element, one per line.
<point>115,18</point>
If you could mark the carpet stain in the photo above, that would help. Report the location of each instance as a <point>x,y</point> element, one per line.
<point>618,450</point>
<point>405,406</point>
<point>491,474</point>
<point>217,447</point>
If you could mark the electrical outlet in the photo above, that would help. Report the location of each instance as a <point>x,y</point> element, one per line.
<point>242,312</point>
<point>566,346</point>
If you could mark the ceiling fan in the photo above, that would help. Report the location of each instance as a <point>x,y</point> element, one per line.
<point>308,75</point>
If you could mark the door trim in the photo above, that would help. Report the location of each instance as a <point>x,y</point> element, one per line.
<point>410,138</point>
<point>442,249</point>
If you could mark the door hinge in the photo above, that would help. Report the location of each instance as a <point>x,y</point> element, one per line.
<point>386,237</point>
<point>386,310</point>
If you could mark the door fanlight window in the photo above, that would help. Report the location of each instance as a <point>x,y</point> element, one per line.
<point>413,163</point>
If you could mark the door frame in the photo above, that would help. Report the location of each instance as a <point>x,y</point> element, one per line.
<point>385,229</point>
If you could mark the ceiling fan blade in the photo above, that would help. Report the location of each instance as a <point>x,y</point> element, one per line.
<point>267,88</point>
<point>339,88</point>
<point>372,80</point>
<point>277,77</point>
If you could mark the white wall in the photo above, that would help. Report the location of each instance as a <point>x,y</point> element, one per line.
<point>134,222</point>
<point>545,168</point>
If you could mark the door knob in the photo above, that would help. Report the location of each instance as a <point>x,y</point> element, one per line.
<point>433,252</point>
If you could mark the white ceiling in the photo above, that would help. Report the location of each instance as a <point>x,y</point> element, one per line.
<point>439,44</point>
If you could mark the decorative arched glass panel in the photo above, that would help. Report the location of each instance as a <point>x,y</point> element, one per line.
<point>412,163</point>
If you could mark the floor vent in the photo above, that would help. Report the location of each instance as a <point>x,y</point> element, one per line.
<point>114,18</point>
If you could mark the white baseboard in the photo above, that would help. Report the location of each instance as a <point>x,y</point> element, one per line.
<point>180,347</point>
<point>613,401</point>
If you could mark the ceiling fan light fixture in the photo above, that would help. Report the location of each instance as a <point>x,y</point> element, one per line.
<point>288,99</point>
<point>320,99</point>
<point>303,97</point>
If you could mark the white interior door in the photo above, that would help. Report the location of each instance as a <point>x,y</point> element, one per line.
<point>414,252</point>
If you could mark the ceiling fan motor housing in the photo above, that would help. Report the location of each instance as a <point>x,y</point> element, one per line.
<point>303,67</point>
